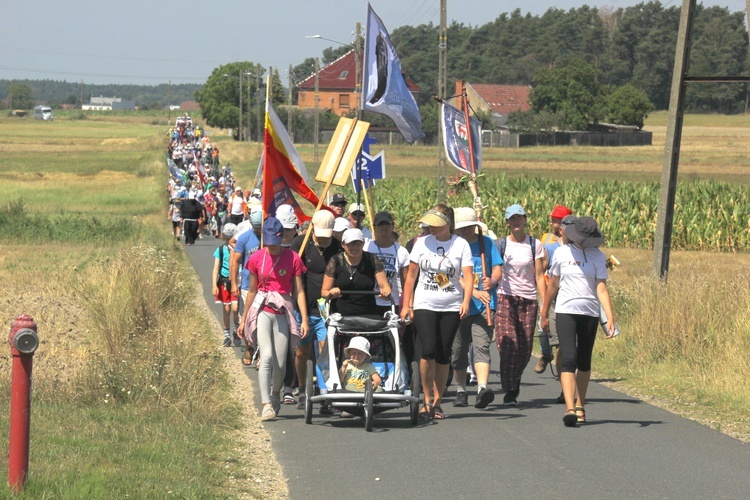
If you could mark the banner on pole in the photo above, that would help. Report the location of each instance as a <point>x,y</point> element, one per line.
<point>456,138</point>
<point>342,152</point>
<point>384,89</point>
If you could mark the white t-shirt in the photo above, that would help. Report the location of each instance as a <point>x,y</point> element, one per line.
<point>578,271</point>
<point>236,208</point>
<point>394,258</point>
<point>519,273</point>
<point>440,258</point>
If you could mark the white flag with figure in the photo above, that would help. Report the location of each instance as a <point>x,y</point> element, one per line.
<point>384,89</point>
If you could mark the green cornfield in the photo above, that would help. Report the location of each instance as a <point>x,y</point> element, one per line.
<point>709,215</point>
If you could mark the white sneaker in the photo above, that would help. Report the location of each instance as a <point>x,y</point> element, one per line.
<point>268,414</point>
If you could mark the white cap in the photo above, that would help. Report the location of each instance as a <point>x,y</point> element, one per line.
<point>256,192</point>
<point>323,224</point>
<point>341,224</point>
<point>242,227</point>
<point>287,217</point>
<point>356,207</point>
<point>360,344</point>
<point>228,230</point>
<point>351,235</point>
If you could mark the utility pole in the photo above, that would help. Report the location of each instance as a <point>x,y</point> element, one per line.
<point>316,127</point>
<point>247,114</point>
<point>663,237</point>
<point>239,120</point>
<point>169,102</point>
<point>442,79</point>
<point>289,106</point>
<point>81,93</point>
<point>358,70</point>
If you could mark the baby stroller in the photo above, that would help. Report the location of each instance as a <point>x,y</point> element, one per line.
<point>387,358</point>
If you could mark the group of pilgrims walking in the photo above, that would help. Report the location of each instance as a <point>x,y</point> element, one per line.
<point>457,288</point>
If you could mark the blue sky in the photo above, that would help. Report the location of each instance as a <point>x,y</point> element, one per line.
<point>151,42</point>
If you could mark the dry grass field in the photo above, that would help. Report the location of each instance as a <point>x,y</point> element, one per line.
<point>114,168</point>
<point>713,147</point>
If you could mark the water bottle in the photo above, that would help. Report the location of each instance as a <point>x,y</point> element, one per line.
<point>603,321</point>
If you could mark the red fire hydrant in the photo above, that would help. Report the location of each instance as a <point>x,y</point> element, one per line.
<point>23,340</point>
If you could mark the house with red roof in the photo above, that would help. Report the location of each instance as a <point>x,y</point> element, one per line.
<point>497,100</point>
<point>337,87</point>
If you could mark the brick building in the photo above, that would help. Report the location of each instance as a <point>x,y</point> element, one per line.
<point>498,100</point>
<point>337,87</point>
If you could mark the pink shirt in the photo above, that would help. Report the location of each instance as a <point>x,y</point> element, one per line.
<point>275,272</point>
<point>519,272</point>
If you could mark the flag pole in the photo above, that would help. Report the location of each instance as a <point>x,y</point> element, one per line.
<point>329,182</point>
<point>475,191</point>
<point>263,154</point>
<point>368,203</point>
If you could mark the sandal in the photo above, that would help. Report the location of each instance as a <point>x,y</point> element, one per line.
<point>438,414</point>
<point>581,414</point>
<point>247,358</point>
<point>426,413</point>
<point>570,419</point>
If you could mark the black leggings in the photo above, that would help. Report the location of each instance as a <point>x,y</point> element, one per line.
<point>577,334</point>
<point>435,331</point>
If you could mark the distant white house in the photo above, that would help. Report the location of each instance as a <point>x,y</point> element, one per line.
<point>102,103</point>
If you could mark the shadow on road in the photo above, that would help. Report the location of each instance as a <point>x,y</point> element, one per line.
<point>640,423</point>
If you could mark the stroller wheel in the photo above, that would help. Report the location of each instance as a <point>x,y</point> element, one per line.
<point>309,391</point>
<point>369,404</point>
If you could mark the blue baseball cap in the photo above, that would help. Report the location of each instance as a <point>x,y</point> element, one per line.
<point>272,231</point>
<point>514,210</point>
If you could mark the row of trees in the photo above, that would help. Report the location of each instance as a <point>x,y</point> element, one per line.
<point>633,45</point>
<point>56,93</point>
<point>585,65</point>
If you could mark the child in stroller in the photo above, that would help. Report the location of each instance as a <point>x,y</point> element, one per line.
<point>358,368</point>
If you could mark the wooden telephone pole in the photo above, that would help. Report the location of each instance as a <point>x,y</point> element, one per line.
<point>442,84</point>
<point>289,105</point>
<point>316,126</point>
<point>680,79</point>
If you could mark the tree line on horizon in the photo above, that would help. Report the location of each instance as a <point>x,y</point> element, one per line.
<point>634,45</point>
<point>56,93</point>
<point>621,56</point>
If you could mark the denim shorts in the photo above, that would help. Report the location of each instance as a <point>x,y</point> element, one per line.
<point>317,328</point>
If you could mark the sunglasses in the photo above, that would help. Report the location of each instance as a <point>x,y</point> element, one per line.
<point>339,204</point>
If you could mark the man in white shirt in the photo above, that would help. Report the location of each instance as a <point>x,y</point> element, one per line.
<point>356,216</point>
<point>394,257</point>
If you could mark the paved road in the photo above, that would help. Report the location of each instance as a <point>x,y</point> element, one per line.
<point>628,449</point>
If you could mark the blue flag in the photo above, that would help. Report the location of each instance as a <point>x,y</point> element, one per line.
<point>384,89</point>
<point>456,138</point>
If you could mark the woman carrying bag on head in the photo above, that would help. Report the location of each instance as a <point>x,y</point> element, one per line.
<point>578,275</point>
<point>268,321</point>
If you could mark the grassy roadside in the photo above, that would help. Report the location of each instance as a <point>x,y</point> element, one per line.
<point>132,395</point>
<point>100,430</point>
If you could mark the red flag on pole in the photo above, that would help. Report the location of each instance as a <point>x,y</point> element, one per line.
<point>280,177</point>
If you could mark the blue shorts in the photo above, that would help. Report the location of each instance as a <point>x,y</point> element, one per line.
<point>317,328</point>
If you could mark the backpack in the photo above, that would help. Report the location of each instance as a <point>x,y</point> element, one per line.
<point>220,279</point>
<point>504,244</point>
